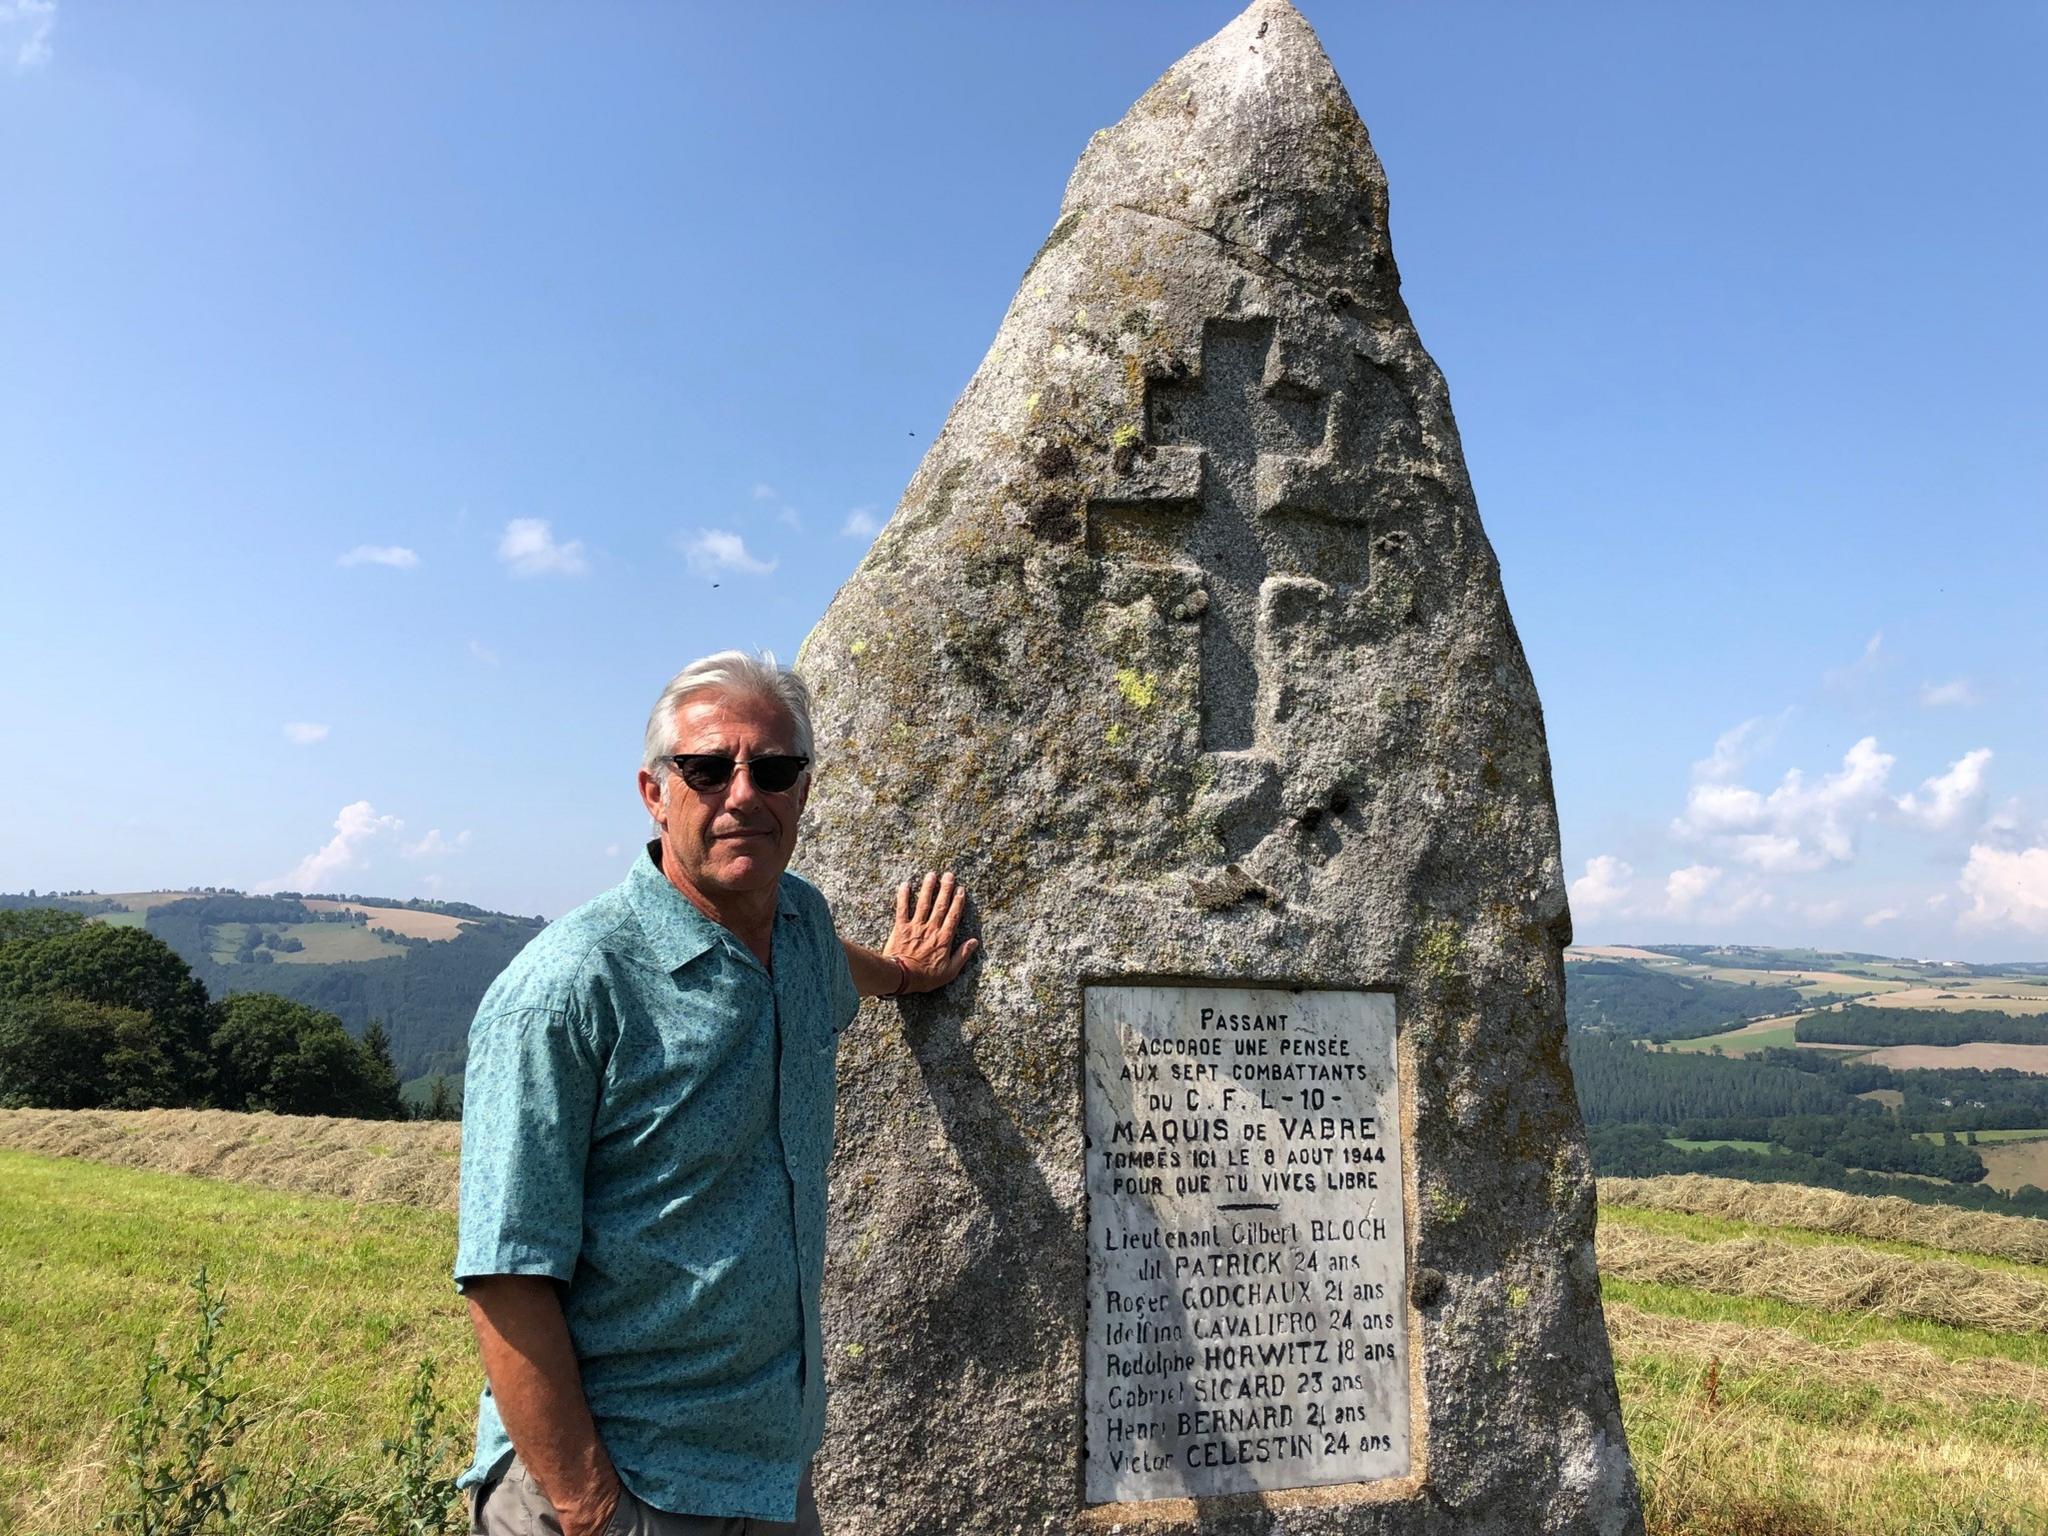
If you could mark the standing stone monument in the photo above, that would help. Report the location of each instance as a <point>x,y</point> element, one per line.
<point>1240,1187</point>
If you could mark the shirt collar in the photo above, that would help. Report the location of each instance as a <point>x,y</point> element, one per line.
<point>675,930</point>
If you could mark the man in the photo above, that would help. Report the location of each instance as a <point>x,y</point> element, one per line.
<point>647,1119</point>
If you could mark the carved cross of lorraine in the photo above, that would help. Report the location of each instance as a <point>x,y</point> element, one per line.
<point>1238,466</point>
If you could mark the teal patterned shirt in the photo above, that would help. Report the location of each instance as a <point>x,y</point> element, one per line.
<point>646,1118</point>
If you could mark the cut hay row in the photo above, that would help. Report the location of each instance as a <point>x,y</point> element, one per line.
<point>1885,1217</point>
<point>383,1161</point>
<point>1831,1277</point>
<point>1891,1367</point>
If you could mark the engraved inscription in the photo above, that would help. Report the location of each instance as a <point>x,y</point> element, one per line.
<point>1247,1324</point>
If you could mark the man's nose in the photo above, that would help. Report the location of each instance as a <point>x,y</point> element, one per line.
<point>741,791</point>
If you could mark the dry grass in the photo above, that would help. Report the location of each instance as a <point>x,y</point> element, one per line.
<point>1893,1367</point>
<point>1716,1459</point>
<point>1619,952</point>
<point>383,1161</point>
<point>1983,1055</point>
<point>142,901</point>
<point>405,920</point>
<point>1886,1217</point>
<point>2015,1164</point>
<point>1997,997</point>
<point>1832,1277</point>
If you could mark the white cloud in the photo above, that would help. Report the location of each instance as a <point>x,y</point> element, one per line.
<point>25,28</point>
<point>1683,888</point>
<point>763,491</point>
<point>2007,890</point>
<point>1957,694</point>
<point>355,829</point>
<point>397,556</point>
<point>529,548</point>
<point>1861,667</point>
<point>1880,917</point>
<point>611,850</point>
<point>435,846</point>
<point>483,653</point>
<point>1603,887</point>
<point>1733,748</point>
<point>304,733</point>
<point>861,523</point>
<point>1942,801</point>
<point>1798,826</point>
<point>712,551</point>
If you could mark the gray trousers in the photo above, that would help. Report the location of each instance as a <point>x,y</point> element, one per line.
<point>513,1505</point>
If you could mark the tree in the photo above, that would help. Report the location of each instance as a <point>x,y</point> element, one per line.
<point>122,968</point>
<point>67,1053</point>
<point>381,1099</point>
<point>274,1054</point>
<point>26,924</point>
<point>441,1103</point>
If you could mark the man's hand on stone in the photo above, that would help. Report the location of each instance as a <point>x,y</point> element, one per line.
<point>927,923</point>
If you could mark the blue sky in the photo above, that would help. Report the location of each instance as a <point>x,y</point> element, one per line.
<point>392,396</point>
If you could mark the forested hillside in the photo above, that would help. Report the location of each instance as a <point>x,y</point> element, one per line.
<point>1642,1004</point>
<point>426,992</point>
<point>1766,1111</point>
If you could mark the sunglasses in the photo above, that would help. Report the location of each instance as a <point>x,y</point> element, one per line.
<point>708,771</point>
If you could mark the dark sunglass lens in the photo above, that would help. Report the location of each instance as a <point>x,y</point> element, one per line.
<point>773,775</point>
<point>704,772</point>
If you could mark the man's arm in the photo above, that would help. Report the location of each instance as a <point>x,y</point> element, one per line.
<point>921,955</point>
<point>538,1388</point>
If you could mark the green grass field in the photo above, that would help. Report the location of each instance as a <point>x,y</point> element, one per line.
<point>332,1304</point>
<point>1684,1145</point>
<point>326,943</point>
<point>1748,1415</point>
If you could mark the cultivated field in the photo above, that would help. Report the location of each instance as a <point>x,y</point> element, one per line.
<point>1985,1055</point>
<point>1998,997</point>
<point>325,943</point>
<point>414,925</point>
<point>1792,1361</point>
<point>1757,1035</point>
<point>2015,1164</point>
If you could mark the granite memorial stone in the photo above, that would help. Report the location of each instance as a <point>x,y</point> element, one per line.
<point>1240,1186</point>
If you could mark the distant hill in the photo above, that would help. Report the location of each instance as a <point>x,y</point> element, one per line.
<point>1924,1079</point>
<point>419,966</point>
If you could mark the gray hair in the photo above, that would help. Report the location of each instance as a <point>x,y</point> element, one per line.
<point>726,672</point>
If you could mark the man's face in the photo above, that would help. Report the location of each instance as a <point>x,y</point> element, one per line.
<point>735,840</point>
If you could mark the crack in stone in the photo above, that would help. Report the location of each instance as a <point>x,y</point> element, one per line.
<point>1253,260</point>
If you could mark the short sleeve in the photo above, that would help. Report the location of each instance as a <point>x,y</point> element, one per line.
<point>845,995</point>
<point>529,1098</point>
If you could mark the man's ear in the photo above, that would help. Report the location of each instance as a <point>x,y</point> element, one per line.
<point>650,795</point>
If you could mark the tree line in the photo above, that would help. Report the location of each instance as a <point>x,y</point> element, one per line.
<point>1860,1025</point>
<point>99,1017</point>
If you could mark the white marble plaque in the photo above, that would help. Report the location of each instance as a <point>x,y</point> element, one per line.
<point>1247,1278</point>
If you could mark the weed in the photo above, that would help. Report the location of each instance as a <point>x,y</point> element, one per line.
<point>180,1475</point>
<point>419,1501</point>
